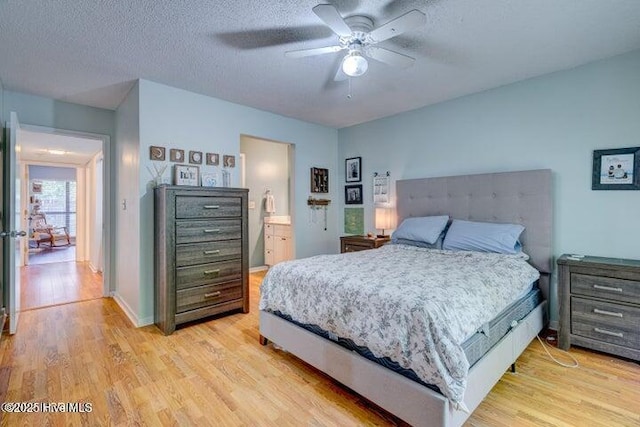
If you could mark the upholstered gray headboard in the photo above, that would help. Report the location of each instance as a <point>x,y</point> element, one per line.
<point>509,197</point>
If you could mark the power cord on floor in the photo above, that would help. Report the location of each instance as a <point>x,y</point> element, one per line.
<point>575,362</point>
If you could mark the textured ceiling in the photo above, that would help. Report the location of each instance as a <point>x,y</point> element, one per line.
<point>90,52</point>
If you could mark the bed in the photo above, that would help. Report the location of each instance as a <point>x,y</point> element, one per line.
<point>513,197</point>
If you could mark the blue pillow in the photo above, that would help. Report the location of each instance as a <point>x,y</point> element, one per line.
<point>483,237</point>
<point>421,229</point>
<point>436,245</point>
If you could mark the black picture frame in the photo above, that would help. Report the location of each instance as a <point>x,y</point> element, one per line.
<point>616,169</point>
<point>353,194</point>
<point>353,169</point>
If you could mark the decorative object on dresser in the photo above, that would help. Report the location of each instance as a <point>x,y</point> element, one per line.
<point>600,304</point>
<point>617,169</point>
<point>186,175</point>
<point>201,253</point>
<point>353,169</point>
<point>361,243</point>
<point>277,243</point>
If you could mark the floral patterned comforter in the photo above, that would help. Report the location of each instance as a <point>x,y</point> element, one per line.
<point>413,305</point>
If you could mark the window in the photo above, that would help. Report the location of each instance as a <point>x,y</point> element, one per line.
<point>58,202</point>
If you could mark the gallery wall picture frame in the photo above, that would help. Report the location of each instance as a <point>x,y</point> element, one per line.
<point>353,194</point>
<point>381,188</point>
<point>616,169</point>
<point>176,155</point>
<point>36,187</point>
<point>186,175</point>
<point>229,161</point>
<point>353,169</point>
<point>157,153</point>
<point>319,180</point>
<point>213,159</point>
<point>195,157</point>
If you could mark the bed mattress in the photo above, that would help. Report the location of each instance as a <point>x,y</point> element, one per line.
<point>474,348</point>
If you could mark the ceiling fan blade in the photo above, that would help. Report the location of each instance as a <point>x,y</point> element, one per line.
<point>330,16</point>
<point>311,52</point>
<point>404,23</point>
<point>389,57</point>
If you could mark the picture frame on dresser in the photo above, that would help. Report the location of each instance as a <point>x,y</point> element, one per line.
<point>616,169</point>
<point>186,175</point>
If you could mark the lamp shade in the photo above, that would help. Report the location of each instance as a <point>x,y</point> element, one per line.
<point>385,219</point>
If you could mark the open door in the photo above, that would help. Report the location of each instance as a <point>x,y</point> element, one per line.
<point>11,221</point>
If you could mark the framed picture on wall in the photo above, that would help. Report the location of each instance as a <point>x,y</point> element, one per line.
<point>353,169</point>
<point>319,180</point>
<point>186,175</point>
<point>353,194</point>
<point>617,169</point>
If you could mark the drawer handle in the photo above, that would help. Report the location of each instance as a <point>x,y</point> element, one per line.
<point>211,207</point>
<point>211,230</point>
<point>283,238</point>
<point>215,252</point>
<point>212,294</point>
<point>607,288</point>
<point>217,270</point>
<point>607,313</point>
<point>613,334</point>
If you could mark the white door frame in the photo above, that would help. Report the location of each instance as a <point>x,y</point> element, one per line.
<point>106,195</point>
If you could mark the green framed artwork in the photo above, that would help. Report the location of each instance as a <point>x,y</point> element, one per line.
<point>354,221</point>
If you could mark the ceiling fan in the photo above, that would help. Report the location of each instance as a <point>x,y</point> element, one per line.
<point>358,37</point>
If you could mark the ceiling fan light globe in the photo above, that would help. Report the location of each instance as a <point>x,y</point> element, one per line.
<point>355,65</point>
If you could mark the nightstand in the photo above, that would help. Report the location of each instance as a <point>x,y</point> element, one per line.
<point>361,243</point>
<point>600,304</point>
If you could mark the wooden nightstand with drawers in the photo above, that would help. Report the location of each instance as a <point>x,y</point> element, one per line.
<point>600,304</point>
<point>361,243</point>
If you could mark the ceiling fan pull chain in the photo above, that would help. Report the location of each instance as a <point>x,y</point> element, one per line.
<point>349,94</point>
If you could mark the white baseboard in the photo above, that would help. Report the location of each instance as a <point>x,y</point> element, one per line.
<point>256,269</point>
<point>137,322</point>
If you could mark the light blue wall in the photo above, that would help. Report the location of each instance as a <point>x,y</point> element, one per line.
<point>267,167</point>
<point>176,118</point>
<point>554,121</point>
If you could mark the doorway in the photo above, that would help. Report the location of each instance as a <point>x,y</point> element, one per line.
<point>267,170</point>
<point>62,203</point>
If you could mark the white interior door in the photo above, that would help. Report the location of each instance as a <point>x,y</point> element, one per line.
<point>12,222</point>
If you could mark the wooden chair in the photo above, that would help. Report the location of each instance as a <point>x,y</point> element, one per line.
<point>46,233</point>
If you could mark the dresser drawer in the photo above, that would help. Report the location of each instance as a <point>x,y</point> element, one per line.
<point>201,253</point>
<point>605,287</point>
<point>607,322</point>
<point>202,296</point>
<point>193,231</point>
<point>208,274</point>
<point>207,207</point>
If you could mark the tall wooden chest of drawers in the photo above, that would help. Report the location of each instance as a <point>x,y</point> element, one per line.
<point>600,304</point>
<point>201,253</point>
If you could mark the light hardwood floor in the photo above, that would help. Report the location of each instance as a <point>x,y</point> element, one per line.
<point>216,373</point>
<point>58,283</point>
